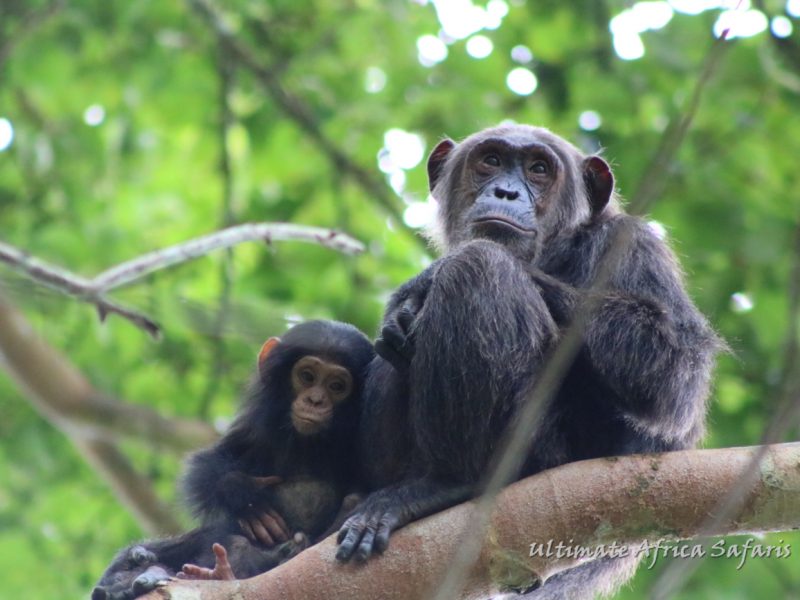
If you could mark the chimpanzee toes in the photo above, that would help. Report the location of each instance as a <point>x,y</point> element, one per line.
<point>100,593</point>
<point>149,580</point>
<point>141,555</point>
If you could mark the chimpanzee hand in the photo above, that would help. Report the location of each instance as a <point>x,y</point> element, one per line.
<point>367,530</point>
<point>222,567</point>
<point>561,298</point>
<point>247,499</point>
<point>396,342</point>
<point>260,522</point>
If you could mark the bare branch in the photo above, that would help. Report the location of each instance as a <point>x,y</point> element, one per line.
<point>94,290</point>
<point>137,268</point>
<point>66,398</point>
<point>584,504</point>
<point>94,423</point>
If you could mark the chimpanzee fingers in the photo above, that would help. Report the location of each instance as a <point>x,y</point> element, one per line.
<point>261,533</point>
<point>385,528</point>
<point>279,520</point>
<point>189,571</point>
<point>101,593</point>
<point>358,537</point>
<point>222,569</point>
<point>276,527</point>
<point>365,547</point>
<point>405,317</point>
<point>142,556</point>
<point>393,335</point>
<point>349,538</point>
<point>247,530</point>
<point>390,355</point>
<point>348,546</point>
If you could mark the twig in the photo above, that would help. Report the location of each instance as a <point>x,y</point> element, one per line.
<point>226,72</point>
<point>27,24</point>
<point>652,182</point>
<point>94,290</point>
<point>785,417</point>
<point>299,112</point>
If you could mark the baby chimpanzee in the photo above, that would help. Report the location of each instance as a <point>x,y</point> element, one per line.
<point>277,478</point>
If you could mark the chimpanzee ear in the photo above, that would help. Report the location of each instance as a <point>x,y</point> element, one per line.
<point>437,159</point>
<point>599,182</point>
<point>268,347</point>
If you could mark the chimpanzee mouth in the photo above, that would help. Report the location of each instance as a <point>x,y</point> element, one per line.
<point>505,222</point>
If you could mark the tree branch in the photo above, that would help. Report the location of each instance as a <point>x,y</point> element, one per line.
<point>588,503</point>
<point>94,422</point>
<point>94,290</point>
<point>299,112</point>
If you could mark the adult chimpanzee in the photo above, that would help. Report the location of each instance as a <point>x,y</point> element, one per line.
<point>525,220</point>
<point>283,467</point>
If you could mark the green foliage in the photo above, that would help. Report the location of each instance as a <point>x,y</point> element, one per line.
<point>149,175</point>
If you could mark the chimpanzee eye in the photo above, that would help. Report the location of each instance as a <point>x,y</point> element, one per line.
<point>539,167</point>
<point>492,160</point>
<point>307,376</point>
<point>336,387</point>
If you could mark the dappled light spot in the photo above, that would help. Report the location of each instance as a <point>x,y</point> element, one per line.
<point>781,27</point>
<point>627,26</point>
<point>401,150</point>
<point>461,18</point>
<point>521,54</point>
<point>419,214</point>
<point>430,50</point>
<point>479,46</point>
<point>6,134</point>
<point>94,115</point>
<point>522,81</point>
<point>374,80</point>
<point>628,46</point>
<point>406,149</point>
<point>397,181</point>
<point>695,7</point>
<point>740,23</point>
<point>793,8</point>
<point>589,120</point>
<point>741,303</point>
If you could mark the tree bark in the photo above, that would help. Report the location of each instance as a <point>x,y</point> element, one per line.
<point>625,500</point>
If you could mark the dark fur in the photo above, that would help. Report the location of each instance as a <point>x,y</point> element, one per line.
<point>317,471</point>
<point>140,567</point>
<point>466,338</point>
<point>261,441</point>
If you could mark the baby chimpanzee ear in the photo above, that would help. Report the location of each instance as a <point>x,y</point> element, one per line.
<point>268,347</point>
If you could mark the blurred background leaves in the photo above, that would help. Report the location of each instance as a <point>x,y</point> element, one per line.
<point>128,126</point>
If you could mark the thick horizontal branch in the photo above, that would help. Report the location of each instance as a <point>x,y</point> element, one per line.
<point>66,398</point>
<point>93,422</point>
<point>589,503</point>
<point>94,290</point>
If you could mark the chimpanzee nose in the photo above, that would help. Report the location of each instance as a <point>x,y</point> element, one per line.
<point>504,194</point>
<point>314,399</point>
